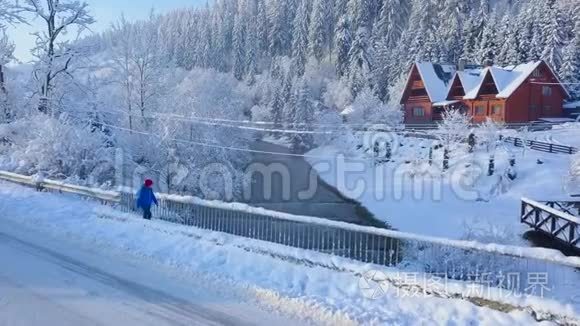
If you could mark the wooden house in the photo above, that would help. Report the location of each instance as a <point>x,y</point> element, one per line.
<point>514,94</point>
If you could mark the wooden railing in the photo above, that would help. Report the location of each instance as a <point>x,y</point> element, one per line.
<point>554,219</point>
<point>541,146</point>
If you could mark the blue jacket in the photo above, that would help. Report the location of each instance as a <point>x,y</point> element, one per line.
<point>146,198</point>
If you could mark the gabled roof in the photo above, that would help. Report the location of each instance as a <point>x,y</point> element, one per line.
<point>471,81</point>
<point>506,79</point>
<point>436,78</point>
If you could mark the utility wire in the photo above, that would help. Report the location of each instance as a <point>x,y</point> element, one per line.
<point>216,146</point>
<point>212,122</point>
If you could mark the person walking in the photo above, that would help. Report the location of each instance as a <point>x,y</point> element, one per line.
<point>146,198</point>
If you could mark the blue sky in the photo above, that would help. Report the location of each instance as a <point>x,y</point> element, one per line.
<point>105,12</point>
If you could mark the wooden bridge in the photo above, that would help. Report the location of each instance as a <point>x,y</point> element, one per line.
<point>559,220</point>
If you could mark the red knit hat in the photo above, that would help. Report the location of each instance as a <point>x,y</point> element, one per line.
<point>148,183</point>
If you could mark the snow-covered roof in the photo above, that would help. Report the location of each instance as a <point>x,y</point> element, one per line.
<point>572,105</point>
<point>436,78</point>
<point>508,81</point>
<point>347,111</point>
<point>445,103</point>
<point>471,81</point>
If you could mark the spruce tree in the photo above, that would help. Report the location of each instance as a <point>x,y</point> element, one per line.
<point>239,43</point>
<point>300,40</point>
<point>318,32</point>
<point>302,114</point>
<point>342,45</point>
<point>554,34</point>
<point>360,61</point>
<point>570,69</point>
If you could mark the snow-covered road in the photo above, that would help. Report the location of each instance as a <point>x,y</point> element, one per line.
<point>44,282</point>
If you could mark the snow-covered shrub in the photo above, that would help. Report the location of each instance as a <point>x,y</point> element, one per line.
<point>454,129</point>
<point>396,91</point>
<point>337,96</point>
<point>56,149</point>
<point>572,182</point>
<point>575,166</point>
<point>327,122</point>
<point>367,108</point>
<point>489,133</point>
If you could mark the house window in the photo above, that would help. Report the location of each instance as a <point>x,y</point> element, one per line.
<point>537,73</point>
<point>547,91</point>
<point>480,110</point>
<point>496,109</point>
<point>418,112</point>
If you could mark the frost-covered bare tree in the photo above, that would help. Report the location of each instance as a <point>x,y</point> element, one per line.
<point>121,54</point>
<point>6,55</point>
<point>10,13</point>
<point>490,132</point>
<point>53,52</point>
<point>452,131</point>
<point>147,64</point>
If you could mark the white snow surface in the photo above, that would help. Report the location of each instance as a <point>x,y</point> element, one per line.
<point>436,88</point>
<point>437,204</point>
<point>572,105</point>
<point>509,81</point>
<point>471,81</point>
<point>317,294</point>
<point>567,134</point>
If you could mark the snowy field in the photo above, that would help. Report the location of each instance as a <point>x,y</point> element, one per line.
<point>462,203</point>
<point>315,294</point>
<point>567,134</point>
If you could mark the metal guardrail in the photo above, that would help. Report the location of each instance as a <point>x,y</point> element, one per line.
<point>58,186</point>
<point>554,219</point>
<point>483,264</point>
<point>541,146</point>
<point>506,267</point>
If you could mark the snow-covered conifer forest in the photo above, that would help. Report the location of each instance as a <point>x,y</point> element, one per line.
<point>169,92</point>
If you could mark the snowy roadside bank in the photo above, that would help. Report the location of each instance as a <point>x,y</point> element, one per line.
<point>416,198</point>
<point>316,293</point>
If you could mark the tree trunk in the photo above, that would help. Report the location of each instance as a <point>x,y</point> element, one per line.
<point>7,112</point>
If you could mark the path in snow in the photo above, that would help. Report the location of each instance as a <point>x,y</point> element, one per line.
<point>46,283</point>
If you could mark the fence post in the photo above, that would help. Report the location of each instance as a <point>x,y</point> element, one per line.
<point>551,148</point>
